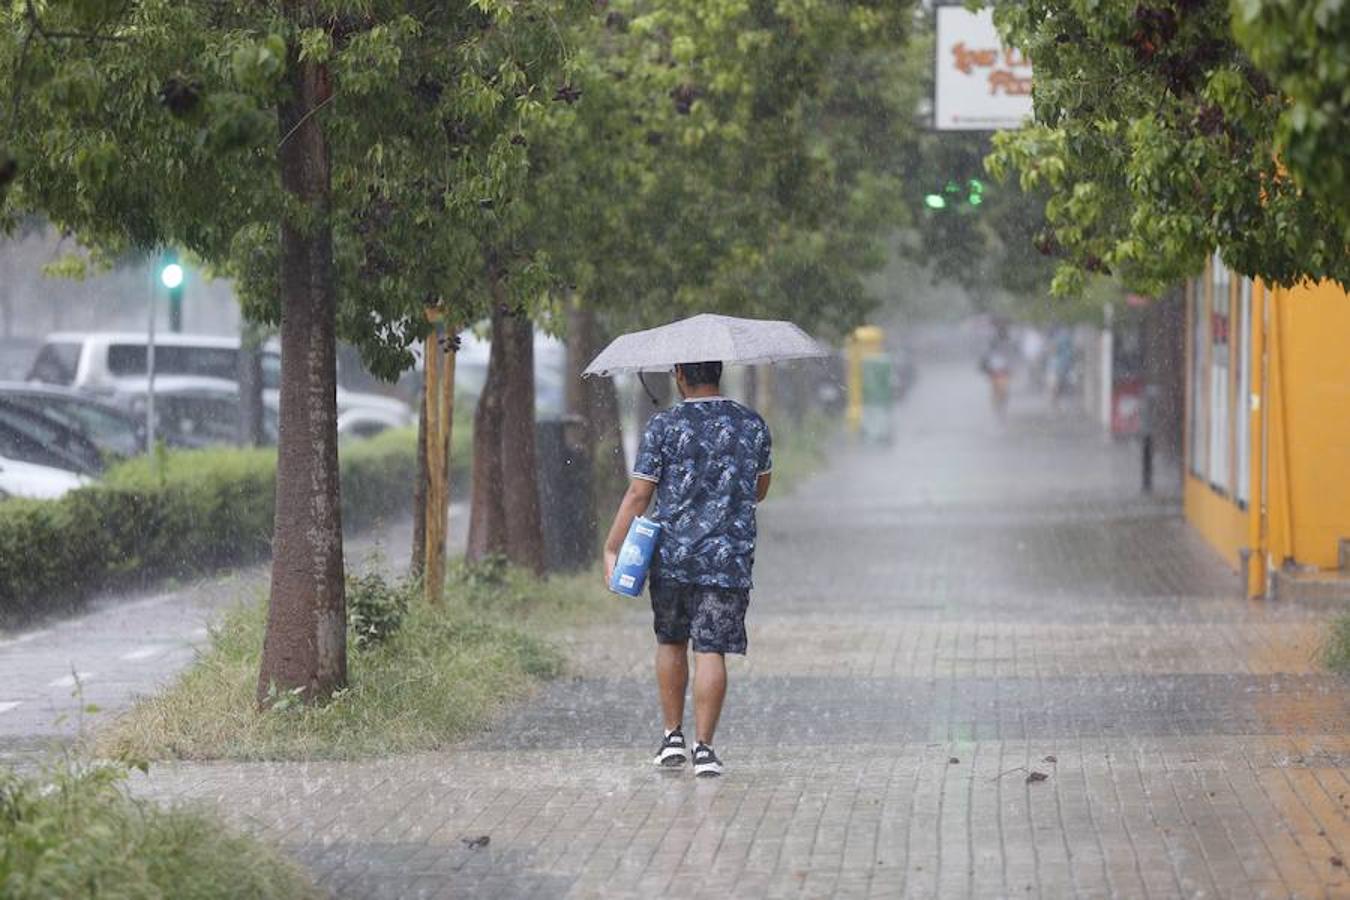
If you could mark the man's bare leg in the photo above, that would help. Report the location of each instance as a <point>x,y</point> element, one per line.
<point>672,677</point>
<point>710,689</point>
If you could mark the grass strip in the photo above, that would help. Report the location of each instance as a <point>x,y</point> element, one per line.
<point>1336,650</point>
<point>801,448</point>
<point>444,672</point>
<point>75,832</point>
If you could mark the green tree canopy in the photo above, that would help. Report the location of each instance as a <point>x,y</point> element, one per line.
<point>1304,48</point>
<point>725,155</point>
<point>1157,139</point>
<point>345,161</point>
<point>157,126</point>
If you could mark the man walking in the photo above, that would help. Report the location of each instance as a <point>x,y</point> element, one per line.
<point>707,461</point>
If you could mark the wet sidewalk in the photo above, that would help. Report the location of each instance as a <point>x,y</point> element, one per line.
<point>123,645</point>
<point>981,665</point>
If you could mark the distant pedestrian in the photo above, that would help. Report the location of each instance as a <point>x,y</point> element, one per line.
<point>1062,356</point>
<point>997,365</point>
<point>707,461</point>
<point>1033,355</point>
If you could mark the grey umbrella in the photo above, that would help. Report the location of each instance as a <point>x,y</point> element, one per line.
<point>705,338</point>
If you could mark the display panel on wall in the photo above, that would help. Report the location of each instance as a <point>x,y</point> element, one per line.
<point>980,84</point>
<point>1219,425</point>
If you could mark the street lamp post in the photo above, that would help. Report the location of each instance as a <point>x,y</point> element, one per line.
<point>170,275</point>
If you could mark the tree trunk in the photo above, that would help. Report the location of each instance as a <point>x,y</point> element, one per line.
<point>250,386</point>
<point>505,517</point>
<point>438,404</point>
<point>417,564</point>
<point>520,499</point>
<point>595,402</point>
<point>305,645</point>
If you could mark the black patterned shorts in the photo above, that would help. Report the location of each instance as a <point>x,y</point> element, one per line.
<point>711,618</point>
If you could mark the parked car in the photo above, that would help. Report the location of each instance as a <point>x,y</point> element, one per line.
<point>110,363</point>
<point>114,431</point>
<point>30,436</point>
<point>550,366</point>
<point>193,411</point>
<point>35,482</point>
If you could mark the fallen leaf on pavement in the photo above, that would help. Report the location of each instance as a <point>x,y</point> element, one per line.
<point>475,843</point>
<point>1050,759</point>
<point>1037,776</point>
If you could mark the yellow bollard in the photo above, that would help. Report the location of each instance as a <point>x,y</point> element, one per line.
<point>862,343</point>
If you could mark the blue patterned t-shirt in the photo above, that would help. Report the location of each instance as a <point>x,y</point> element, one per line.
<point>705,456</point>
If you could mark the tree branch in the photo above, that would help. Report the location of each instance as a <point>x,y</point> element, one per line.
<point>305,118</point>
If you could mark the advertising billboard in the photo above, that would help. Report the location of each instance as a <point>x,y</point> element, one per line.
<point>981,85</point>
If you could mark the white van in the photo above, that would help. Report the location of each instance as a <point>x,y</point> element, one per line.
<point>114,363</point>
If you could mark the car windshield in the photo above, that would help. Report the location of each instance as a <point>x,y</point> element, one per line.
<point>56,363</point>
<point>110,430</point>
<point>31,438</point>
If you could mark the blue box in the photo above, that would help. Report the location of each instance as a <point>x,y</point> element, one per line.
<point>635,557</point>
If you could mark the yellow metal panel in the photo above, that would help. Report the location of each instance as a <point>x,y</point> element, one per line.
<point>1255,411</point>
<point>1309,492</point>
<point>1221,522</point>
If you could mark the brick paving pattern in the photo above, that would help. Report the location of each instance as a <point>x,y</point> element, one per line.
<point>933,623</point>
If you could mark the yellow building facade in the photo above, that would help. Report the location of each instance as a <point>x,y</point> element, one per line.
<point>1267,426</point>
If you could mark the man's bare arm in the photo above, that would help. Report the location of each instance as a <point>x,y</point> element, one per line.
<point>635,502</point>
<point>762,486</point>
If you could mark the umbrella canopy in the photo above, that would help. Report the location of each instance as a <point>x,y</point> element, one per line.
<point>705,338</point>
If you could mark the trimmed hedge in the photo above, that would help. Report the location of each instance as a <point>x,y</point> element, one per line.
<point>181,514</point>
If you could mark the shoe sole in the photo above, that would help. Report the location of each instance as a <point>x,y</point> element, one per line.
<point>708,770</point>
<point>671,759</point>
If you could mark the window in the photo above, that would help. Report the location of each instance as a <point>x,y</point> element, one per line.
<point>271,371</point>
<point>56,363</point>
<point>1199,315</point>
<point>212,362</point>
<point>1219,316</point>
<point>199,420</point>
<point>1244,393</point>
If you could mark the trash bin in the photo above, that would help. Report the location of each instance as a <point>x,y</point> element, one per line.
<point>571,535</point>
<point>877,398</point>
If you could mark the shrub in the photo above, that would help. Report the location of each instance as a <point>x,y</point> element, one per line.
<point>375,607</point>
<point>175,514</point>
<point>1336,651</point>
<point>76,832</point>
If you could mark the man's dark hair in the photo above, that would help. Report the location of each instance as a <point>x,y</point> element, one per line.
<point>701,373</point>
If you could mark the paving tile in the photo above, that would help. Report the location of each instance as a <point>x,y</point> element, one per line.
<point>996,595</point>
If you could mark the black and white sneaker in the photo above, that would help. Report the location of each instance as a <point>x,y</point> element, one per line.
<point>674,752</point>
<point>706,763</point>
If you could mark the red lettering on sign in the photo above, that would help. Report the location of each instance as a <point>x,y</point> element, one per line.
<point>1001,80</point>
<point>967,59</point>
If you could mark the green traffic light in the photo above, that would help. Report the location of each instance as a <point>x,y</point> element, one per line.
<point>935,201</point>
<point>976,186</point>
<point>171,276</point>
<point>975,199</point>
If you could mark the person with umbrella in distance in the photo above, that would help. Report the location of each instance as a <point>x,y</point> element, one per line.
<point>707,462</point>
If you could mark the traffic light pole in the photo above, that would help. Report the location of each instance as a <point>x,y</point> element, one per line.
<point>176,309</point>
<point>150,370</point>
